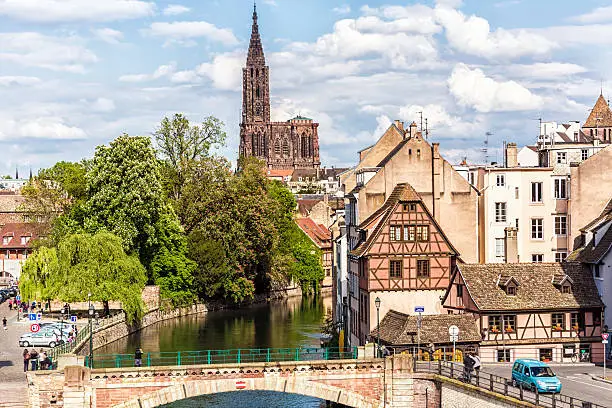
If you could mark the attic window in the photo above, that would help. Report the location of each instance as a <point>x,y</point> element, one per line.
<point>6,240</point>
<point>410,152</point>
<point>511,290</point>
<point>413,207</point>
<point>418,153</point>
<point>24,239</point>
<point>566,288</point>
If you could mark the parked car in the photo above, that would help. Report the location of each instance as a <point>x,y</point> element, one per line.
<point>45,338</point>
<point>535,375</point>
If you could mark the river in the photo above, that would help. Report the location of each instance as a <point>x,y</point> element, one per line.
<point>292,322</point>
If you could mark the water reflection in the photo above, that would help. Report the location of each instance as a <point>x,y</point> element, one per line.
<point>292,322</point>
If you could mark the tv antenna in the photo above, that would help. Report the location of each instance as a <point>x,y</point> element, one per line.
<point>485,149</point>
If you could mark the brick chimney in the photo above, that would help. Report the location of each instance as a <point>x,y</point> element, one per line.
<point>413,129</point>
<point>399,124</point>
<point>511,245</point>
<point>511,155</point>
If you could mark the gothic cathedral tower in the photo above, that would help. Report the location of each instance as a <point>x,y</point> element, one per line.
<point>282,145</point>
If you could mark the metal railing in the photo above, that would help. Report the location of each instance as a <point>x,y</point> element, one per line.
<point>501,385</point>
<point>231,356</point>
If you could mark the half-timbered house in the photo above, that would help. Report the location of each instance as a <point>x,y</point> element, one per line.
<point>547,311</point>
<point>404,259</point>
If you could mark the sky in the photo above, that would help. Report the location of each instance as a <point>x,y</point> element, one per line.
<point>75,74</point>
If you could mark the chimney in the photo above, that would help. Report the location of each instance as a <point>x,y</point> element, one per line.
<point>436,150</point>
<point>413,129</point>
<point>511,155</point>
<point>399,124</point>
<point>511,245</point>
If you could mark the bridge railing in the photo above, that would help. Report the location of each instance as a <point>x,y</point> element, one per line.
<point>501,385</point>
<point>231,356</point>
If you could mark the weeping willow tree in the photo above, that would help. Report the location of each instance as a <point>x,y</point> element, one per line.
<point>82,264</point>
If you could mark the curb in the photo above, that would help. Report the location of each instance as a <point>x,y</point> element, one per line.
<point>598,378</point>
<point>509,365</point>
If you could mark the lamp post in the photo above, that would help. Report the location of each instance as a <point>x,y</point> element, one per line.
<point>377,303</point>
<point>91,311</point>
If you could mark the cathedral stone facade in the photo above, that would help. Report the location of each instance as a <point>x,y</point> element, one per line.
<point>293,144</point>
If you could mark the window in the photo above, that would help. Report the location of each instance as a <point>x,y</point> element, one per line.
<point>596,272</point>
<point>422,233</point>
<point>510,323</point>
<point>537,258</point>
<point>411,233</point>
<point>560,188</point>
<point>561,225</point>
<point>494,324</point>
<point>511,290</point>
<point>516,192</point>
<point>413,207</point>
<point>566,288</point>
<point>503,356</point>
<point>404,207</point>
<point>395,269</point>
<point>585,154</point>
<point>537,228</point>
<point>6,240</point>
<point>423,268</point>
<point>561,157</point>
<point>500,247</point>
<point>500,212</point>
<point>471,178</point>
<point>459,290</point>
<point>536,192</point>
<point>500,180</point>
<point>546,354</point>
<point>560,256</point>
<point>395,232</point>
<point>558,321</point>
<point>575,321</point>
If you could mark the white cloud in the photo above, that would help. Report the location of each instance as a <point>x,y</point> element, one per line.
<point>108,35</point>
<point>471,87</point>
<point>19,81</point>
<point>75,10</point>
<point>270,2</point>
<point>37,50</point>
<point>546,70</point>
<point>472,35</point>
<point>414,18</point>
<point>102,105</point>
<point>225,70</point>
<point>183,32</point>
<point>598,15</point>
<point>577,35</point>
<point>160,72</point>
<point>175,9</point>
<point>343,9</point>
<point>39,128</point>
<point>439,122</point>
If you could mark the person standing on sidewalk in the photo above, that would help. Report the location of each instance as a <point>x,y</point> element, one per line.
<point>4,323</point>
<point>26,360</point>
<point>138,357</point>
<point>34,359</point>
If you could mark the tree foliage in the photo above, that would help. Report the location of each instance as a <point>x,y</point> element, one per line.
<point>84,263</point>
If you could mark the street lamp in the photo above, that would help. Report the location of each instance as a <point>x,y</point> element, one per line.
<point>91,311</point>
<point>377,303</point>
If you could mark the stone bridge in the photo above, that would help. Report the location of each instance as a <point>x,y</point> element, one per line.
<point>364,383</point>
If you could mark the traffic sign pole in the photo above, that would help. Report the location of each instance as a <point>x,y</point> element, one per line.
<point>419,310</point>
<point>604,341</point>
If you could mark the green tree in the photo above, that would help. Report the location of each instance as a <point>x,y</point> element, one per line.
<point>84,263</point>
<point>182,145</point>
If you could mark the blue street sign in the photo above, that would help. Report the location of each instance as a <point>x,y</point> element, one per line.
<point>39,316</point>
<point>419,309</point>
<point>32,317</point>
<point>18,297</point>
<point>73,319</point>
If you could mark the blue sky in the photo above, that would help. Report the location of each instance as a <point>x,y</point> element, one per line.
<point>75,74</point>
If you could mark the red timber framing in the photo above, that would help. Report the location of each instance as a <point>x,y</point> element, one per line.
<point>405,248</point>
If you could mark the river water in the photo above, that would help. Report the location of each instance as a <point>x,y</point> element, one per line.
<point>289,323</point>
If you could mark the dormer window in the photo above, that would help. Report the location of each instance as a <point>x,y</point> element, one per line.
<point>6,239</point>
<point>509,285</point>
<point>566,288</point>
<point>25,239</point>
<point>564,283</point>
<point>511,290</point>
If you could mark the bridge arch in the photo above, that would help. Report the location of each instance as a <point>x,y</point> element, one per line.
<point>293,385</point>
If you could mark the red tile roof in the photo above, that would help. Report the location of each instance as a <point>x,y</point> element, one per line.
<point>14,232</point>
<point>320,235</point>
<point>280,172</point>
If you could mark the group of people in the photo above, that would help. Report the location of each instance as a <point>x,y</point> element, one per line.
<point>471,362</point>
<point>22,307</point>
<point>35,360</point>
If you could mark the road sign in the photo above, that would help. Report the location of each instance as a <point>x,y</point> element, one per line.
<point>604,341</point>
<point>454,338</point>
<point>32,317</point>
<point>73,318</point>
<point>18,297</point>
<point>39,316</point>
<point>419,309</point>
<point>240,385</point>
<point>34,328</point>
<point>453,331</point>
<point>604,336</point>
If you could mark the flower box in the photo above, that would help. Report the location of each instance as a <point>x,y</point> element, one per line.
<point>494,329</point>
<point>509,330</point>
<point>557,328</point>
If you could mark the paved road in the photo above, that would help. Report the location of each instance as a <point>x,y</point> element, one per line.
<point>13,387</point>
<point>576,379</point>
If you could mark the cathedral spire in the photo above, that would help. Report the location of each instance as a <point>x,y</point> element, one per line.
<point>256,54</point>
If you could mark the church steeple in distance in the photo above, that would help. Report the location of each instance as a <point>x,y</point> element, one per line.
<point>255,85</point>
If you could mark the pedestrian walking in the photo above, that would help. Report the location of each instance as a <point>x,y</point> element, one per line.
<point>468,366</point>
<point>34,359</point>
<point>42,359</point>
<point>10,305</point>
<point>138,357</point>
<point>26,359</point>
<point>476,363</point>
<point>4,323</point>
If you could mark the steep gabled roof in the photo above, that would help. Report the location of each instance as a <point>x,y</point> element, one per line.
<point>398,328</point>
<point>14,232</point>
<point>591,253</point>
<point>320,235</point>
<point>600,111</point>
<point>604,216</point>
<point>539,288</point>
<point>402,192</point>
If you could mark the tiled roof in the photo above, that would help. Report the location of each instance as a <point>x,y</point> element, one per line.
<point>305,205</point>
<point>605,215</point>
<point>591,253</point>
<point>320,235</point>
<point>602,111</point>
<point>15,231</point>
<point>537,290</point>
<point>398,328</point>
<point>280,172</point>
<point>401,193</point>
<point>10,202</point>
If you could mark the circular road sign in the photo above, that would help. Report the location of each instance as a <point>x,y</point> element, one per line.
<point>34,328</point>
<point>453,331</point>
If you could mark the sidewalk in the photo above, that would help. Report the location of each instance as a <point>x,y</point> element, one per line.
<point>13,386</point>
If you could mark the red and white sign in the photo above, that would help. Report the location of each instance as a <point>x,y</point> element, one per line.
<point>605,336</point>
<point>240,385</point>
<point>34,328</point>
